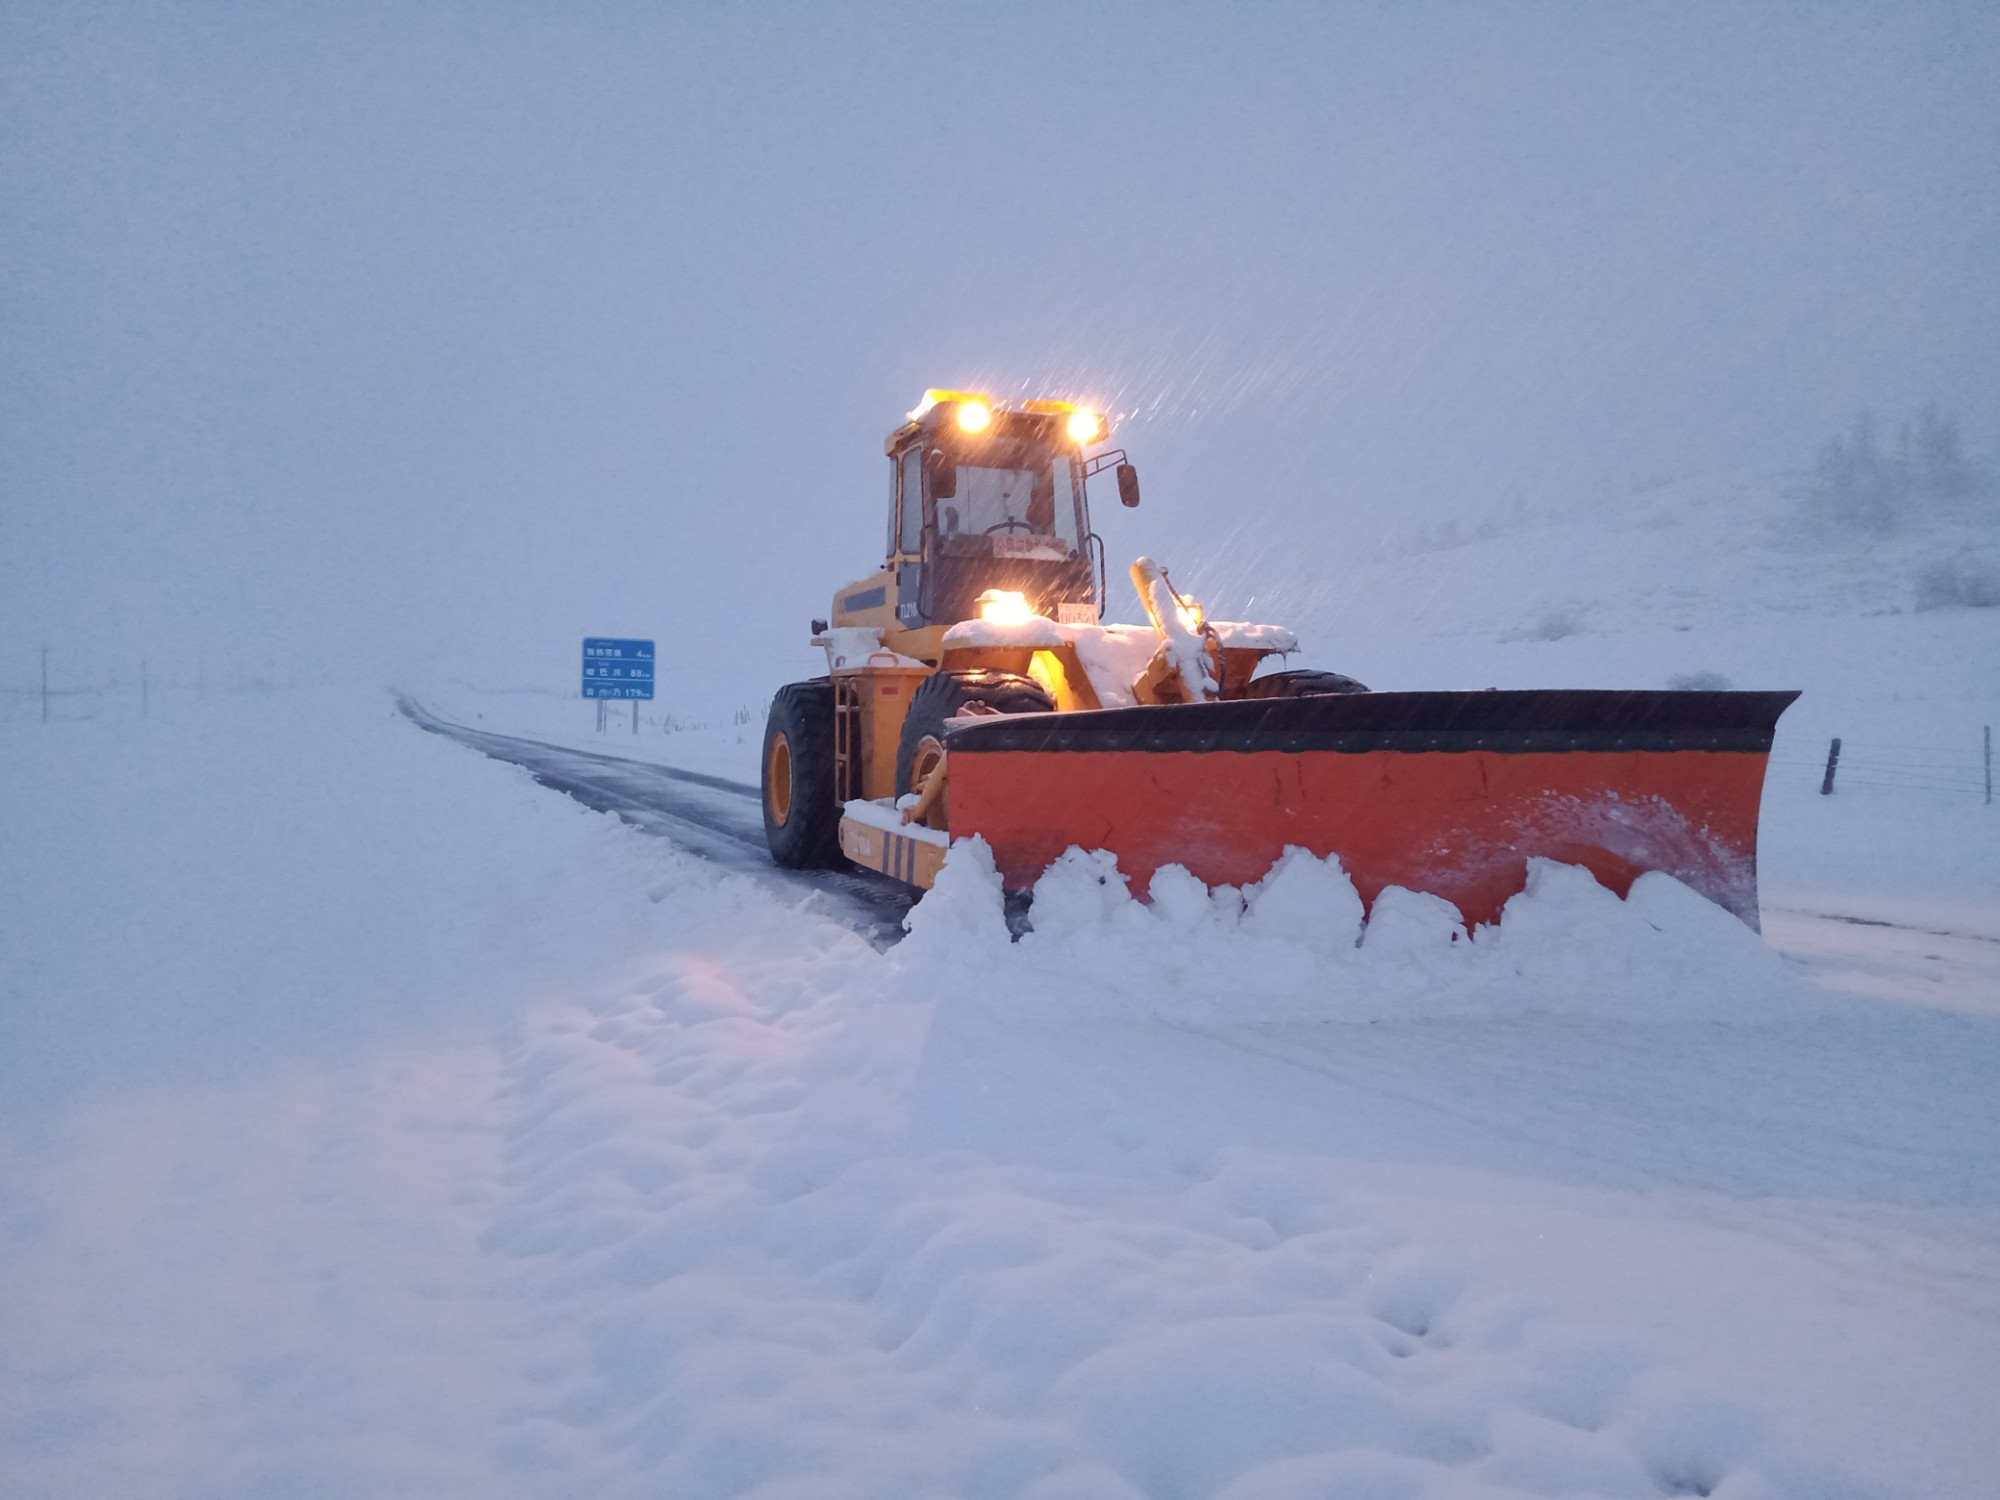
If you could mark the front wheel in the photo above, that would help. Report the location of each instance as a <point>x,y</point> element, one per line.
<point>801,810</point>
<point>940,697</point>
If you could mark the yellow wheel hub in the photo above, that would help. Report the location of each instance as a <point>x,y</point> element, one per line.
<point>929,753</point>
<point>778,779</point>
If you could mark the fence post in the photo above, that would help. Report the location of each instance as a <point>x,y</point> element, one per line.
<point>1832,760</point>
<point>1989,765</point>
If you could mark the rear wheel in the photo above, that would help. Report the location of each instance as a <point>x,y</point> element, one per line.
<point>801,812</point>
<point>940,697</point>
<point>1301,684</point>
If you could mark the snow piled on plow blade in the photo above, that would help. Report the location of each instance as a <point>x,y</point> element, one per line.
<point>1564,945</point>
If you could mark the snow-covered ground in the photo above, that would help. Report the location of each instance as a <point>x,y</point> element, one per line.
<point>376,1122</point>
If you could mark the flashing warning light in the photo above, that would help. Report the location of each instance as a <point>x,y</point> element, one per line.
<point>974,416</point>
<point>936,396</point>
<point>1004,607</point>
<point>1192,615</point>
<point>1085,427</point>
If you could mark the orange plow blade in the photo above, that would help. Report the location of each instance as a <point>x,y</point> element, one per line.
<point>1446,792</point>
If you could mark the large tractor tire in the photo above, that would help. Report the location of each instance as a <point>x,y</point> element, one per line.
<point>801,811</point>
<point>1300,684</point>
<point>940,697</point>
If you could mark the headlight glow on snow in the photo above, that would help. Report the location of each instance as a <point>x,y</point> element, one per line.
<point>1003,607</point>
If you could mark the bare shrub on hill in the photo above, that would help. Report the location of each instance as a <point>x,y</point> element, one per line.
<point>1967,578</point>
<point>1926,478</point>
<point>1554,624</point>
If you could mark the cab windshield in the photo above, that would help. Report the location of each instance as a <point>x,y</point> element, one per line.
<point>1014,490</point>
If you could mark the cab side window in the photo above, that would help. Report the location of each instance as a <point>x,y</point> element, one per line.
<point>913,499</point>
<point>895,475</point>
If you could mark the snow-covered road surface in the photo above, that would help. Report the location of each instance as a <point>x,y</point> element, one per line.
<point>1892,960</point>
<point>422,1133</point>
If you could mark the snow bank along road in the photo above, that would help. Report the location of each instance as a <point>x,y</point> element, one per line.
<point>718,819</point>
<point>427,1135</point>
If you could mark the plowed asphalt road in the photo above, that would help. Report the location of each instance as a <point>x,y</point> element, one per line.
<point>718,819</point>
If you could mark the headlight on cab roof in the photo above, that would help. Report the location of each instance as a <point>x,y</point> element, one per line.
<point>975,412</point>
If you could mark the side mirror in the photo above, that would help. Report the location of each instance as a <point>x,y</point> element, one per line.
<point>1128,486</point>
<point>942,471</point>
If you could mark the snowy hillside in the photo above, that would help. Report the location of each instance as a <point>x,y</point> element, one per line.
<point>1732,582</point>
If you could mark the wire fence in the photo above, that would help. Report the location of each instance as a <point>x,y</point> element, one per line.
<point>72,696</point>
<point>1963,772</point>
<point>66,692</point>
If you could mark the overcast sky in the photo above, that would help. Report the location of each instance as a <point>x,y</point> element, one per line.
<point>410,338</point>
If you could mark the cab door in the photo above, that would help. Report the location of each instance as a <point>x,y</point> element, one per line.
<point>910,520</point>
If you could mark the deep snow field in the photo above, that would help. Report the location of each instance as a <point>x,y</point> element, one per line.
<point>374,1122</point>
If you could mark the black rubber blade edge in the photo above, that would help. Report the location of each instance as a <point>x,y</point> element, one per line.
<point>1517,722</point>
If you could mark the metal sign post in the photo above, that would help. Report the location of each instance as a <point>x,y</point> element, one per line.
<point>614,668</point>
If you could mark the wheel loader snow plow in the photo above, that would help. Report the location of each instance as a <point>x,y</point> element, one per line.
<point>971,691</point>
<point>1446,792</point>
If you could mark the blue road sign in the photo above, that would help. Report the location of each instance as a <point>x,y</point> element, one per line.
<point>617,669</point>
